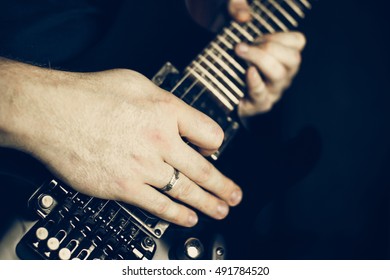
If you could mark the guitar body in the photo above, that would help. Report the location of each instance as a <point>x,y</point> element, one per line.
<point>60,223</point>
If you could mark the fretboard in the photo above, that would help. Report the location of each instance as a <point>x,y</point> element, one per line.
<point>217,72</point>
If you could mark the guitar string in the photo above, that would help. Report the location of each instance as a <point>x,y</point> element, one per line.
<point>246,27</point>
<point>188,74</point>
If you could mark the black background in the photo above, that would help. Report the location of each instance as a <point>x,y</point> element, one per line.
<point>328,187</point>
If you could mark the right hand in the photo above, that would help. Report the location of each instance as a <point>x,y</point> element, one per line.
<point>115,135</point>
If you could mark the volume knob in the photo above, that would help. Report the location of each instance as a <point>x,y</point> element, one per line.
<point>46,201</point>
<point>42,233</point>
<point>193,248</point>
<point>53,243</point>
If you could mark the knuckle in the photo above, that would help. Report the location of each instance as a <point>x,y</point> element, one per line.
<point>225,189</point>
<point>258,91</point>
<point>266,47</point>
<point>177,219</point>
<point>279,73</point>
<point>205,173</point>
<point>185,190</point>
<point>218,134</point>
<point>161,207</point>
<point>166,100</point>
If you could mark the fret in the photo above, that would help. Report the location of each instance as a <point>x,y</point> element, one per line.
<point>295,7</point>
<point>226,67</point>
<point>232,35</point>
<point>222,76</point>
<point>243,31</point>
<point>212,89</point>
<point>226,43</point>
<point>230,59</point>
<point>254,28</point>
<point>284,13</point>
<point>271,15</point>
<point>197,97</point>
<point>188,90</point>
<point>306,4</point>
<point>262,22</point>
<point>216,82</point>
<point>179,83</point>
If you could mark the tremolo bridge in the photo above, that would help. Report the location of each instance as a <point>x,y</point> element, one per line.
<point>76,226</point>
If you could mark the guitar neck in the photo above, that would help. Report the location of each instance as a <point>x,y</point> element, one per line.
<point>217,71</point>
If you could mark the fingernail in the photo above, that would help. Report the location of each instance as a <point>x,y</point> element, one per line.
<point>222,210</point>
<point>192,219</point>
<point>236,197</point>
<point>242,48</point>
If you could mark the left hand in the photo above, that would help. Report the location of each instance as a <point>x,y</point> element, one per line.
<point>275,60</point>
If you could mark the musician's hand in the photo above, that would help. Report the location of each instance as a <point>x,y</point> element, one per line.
<point>275,60</point>
<point>116,135</point>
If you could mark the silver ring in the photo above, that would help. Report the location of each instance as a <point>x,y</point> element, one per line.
<point>172,182</point>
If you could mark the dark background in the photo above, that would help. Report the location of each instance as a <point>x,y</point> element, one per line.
<point>327,144</point>
<point>314,170</point>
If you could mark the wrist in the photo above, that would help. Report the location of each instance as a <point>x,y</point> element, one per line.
<point>25,92</point>
<point>10,95</point>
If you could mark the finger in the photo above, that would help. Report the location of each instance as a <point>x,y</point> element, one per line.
<point>203,173</point>
<point>295,40</point>
<point>289,57</point>
<point>239,10</point>
<point>158,204</point>
<point>207,152</point>
<point>188,192</point>
<point>199,129</point>
<point>272,69</point>
<point>256,86</point>
<point>248,108</point>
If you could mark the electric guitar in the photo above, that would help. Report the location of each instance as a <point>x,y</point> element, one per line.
<point>65,224</point>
